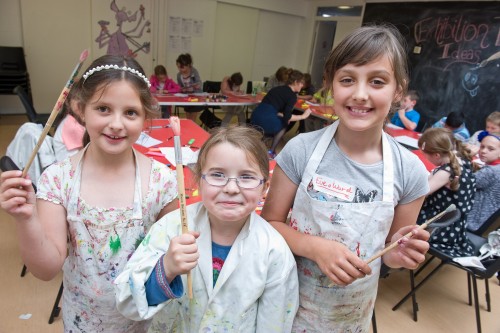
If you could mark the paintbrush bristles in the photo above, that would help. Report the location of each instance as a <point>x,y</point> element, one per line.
<point>84,55</point>
<point>175,124</point>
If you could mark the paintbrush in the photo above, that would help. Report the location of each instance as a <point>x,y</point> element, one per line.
<point>175,124</point>
<point>450,209</point>
<point>56,109</point>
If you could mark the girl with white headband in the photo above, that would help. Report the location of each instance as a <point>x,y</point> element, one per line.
<point>92,209</point>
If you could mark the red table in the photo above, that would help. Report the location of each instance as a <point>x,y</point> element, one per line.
<point>201,99</point>
<point>394,132</point>
<point>189,130</point>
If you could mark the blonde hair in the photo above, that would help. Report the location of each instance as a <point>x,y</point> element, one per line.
<point>442,142</point>
<point>494,118</point>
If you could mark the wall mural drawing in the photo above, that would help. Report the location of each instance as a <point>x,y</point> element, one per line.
<point>118,41</point>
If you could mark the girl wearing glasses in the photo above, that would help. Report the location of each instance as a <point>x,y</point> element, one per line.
<point>244,274</point>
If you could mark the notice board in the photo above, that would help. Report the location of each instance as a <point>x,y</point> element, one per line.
<point>453,53</point>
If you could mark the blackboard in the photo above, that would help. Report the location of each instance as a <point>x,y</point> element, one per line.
<point>453,53</point>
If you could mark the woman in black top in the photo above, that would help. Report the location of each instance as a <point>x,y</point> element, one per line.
<point>275,111</point>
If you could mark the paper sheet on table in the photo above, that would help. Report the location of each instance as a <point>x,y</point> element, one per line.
<point>391,125</point>
<point>181,95</point>
<point>188,156</point>
<point>406,140</point>
<point>146,141</point>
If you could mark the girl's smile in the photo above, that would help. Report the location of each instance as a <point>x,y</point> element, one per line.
<point>364,94</point>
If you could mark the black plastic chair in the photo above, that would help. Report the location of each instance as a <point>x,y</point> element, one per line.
<point>32,115</point>
<point>472,274</point>
<point>444,221</point>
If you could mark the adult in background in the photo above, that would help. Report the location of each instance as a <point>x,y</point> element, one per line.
<point>275,111</point>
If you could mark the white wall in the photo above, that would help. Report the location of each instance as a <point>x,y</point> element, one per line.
<point>55,32</point>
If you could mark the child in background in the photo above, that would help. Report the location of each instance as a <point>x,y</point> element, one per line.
<point>93,209</point>
<point>455,122</point>
<point>279,78</point>
<point>231,85</point>
<point>308,90</point>
<point>407,117</point>
<point>244,275</point>
<point>189,80</point>
<point>452,182</point>
<point>492,126</point>
<point>487,197</point>
<point>321,97</point>
<point>352,187</point>
<point>161,83</point>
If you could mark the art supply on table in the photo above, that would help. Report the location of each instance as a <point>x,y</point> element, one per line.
<point>176,128</point>
<point>57,107</point>
<point>190,142</point>
<point>159,126</point>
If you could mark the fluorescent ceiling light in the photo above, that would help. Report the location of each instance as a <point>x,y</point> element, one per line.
<point>344,7</point>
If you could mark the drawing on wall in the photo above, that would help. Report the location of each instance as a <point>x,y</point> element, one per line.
<point>471,78</point>
<point>120,42</point>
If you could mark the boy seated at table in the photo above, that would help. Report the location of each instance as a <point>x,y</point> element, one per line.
<point>455,122</point>
<point>407,117</point>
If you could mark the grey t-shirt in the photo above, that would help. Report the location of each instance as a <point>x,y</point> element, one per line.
<point>410,175</point>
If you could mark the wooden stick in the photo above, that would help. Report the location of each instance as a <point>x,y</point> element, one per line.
<point>56,109</point>
<point>451,208</point>
<point>176,128</point>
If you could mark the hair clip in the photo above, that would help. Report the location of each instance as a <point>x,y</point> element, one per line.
<point>484,134</point>
<point>124,68</point>
<point>423,146</point>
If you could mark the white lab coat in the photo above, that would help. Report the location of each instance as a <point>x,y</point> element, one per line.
<point>256,291</point>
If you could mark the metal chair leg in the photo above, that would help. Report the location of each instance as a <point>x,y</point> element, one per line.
<point>374,322</point>
<point>412,292</point>
<point>476,304</point>
<point>56,308</point>
<point>414,296</point>
<point>23,271</point>
<point>488,300</point>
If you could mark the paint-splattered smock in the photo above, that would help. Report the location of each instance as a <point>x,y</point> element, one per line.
<point>256,291</point>
<point>361,226</point>
<point>101,240</point>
